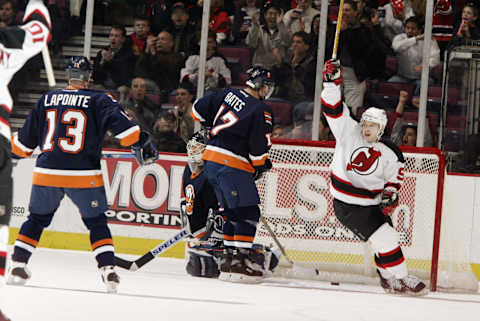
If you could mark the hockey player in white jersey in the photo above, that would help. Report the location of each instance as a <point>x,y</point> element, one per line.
<point>366,176</point>
<point>17,45</point>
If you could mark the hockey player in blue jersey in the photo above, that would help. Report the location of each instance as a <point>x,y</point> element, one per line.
<point>68,125</point>
<point>17,45</point>
<point>236,155</point>
<point>202,217</point>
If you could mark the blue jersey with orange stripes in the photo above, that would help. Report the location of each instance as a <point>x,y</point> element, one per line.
<point>241,128</point>
<point>68,125</point>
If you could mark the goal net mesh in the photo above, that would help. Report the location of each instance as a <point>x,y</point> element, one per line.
<point>296,203</point>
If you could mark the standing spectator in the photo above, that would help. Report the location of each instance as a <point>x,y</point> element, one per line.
<point>358,54</point>
<point>7,13</point>
<point>393,18</point>
<point>219,20</point>
<point>142,110</point>
<point>442,24</point>
<point>314,32</point>
<point>409,48</point>
<point>468,28</point>
<point>303,65</point>
<point>242,21</point>
<point>269,39</point>
<point>164,137</point>
<point>141,31</point>
<point>160,64</point>
<point>114,64</point>
<point>217,74</point>
<point>183,32</point>
<point>184,98</point>
<point>300,18</point>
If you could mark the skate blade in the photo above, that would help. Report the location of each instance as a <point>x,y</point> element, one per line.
<point>225,276</point>
<point>242,278</point>
<point>112,287</point>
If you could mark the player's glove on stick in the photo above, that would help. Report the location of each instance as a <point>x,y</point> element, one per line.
<point>333,72</point>
<point>389,200</point>
<point>261,170</point>
<point>145,151</point>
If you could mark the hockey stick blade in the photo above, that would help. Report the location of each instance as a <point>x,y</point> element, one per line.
<point>147,257</point>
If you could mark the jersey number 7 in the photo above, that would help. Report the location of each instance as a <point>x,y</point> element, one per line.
<point>76,121</point>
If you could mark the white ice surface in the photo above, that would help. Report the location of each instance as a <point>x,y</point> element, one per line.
<point>66,286</point>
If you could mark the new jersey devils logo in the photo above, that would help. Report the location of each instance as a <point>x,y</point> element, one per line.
<point>364,160</point>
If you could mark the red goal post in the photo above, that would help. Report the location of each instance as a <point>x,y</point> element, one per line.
<point>296,202</point>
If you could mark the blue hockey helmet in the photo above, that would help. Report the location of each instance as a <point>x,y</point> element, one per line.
<point>258,77</point>
<point>78,68</point>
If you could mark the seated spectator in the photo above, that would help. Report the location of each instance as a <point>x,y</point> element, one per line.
<point>164,137</point>
<point>470,157</point>
<point>8,13</point>
<point>468,28</point>
<point>114,64</point>
<point>300,18</point>
<point>268,37</point>
<point>220,21</point>
<point>242,22</point>
<point>392,17</point>
<point>409,49</point>
<point>303,65</point>
<point>406,133</point>
<point>183,32</point>
<point>279,131</point>
<point>138,38</point>
<point>303,121</point>
<point>183,110</point>
<point>160,64</point>
<point>217,75</point>
<point>139,106</point>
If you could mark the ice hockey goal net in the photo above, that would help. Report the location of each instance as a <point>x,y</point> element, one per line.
<point>297,205</point>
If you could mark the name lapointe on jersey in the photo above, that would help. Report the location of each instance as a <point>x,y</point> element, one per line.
<point>73,100</point>
<point>234,102</point>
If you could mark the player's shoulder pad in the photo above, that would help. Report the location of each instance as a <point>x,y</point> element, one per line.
<point>394,148</point>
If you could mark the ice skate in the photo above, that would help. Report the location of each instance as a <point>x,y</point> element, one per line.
<point>110,278</point>
<point>226,265</point>
<point>413,286</point>
<point>244,270</point>
<point>18,273</point>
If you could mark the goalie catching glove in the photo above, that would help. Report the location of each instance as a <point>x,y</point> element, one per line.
<point>333,72</point>
<point>144,150</point>
<point>389,200</point>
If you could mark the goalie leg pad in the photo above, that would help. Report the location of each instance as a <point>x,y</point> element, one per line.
<point>202,266</point>
<point>388,254</point>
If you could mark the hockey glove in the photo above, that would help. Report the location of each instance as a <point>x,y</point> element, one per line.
<point>389,200</point>
<point>261,170</point>
<point>144,150</point>
<point>333,72</point>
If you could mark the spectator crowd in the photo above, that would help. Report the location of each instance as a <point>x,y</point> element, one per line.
<point>153,70</point>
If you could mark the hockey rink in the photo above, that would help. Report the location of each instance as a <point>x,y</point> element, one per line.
<point>66,286</point>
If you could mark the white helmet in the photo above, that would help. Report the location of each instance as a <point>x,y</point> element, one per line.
<point>375,115</point>
<point>195,147</point>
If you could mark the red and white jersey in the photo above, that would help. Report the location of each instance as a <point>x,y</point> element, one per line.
<point>360,170</point>
<point>17,45</point>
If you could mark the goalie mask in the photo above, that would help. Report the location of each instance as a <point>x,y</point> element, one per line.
<point>377,116</point>
<point>195,147</point>
<point>78,69</point>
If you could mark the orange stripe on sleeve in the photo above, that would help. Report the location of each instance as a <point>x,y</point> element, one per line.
<point>260,162</point>
<point>130,139</point>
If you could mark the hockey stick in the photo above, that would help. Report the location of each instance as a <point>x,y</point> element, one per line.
<point>275,239</point>
<point>48,67</point>
<point>337,31</point>
<point>147,257</point>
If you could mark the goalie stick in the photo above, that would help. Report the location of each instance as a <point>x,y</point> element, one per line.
<point>150,255</point>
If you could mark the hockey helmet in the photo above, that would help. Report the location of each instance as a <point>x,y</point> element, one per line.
<point>195,147</point>
<point>258,77</point>
<point>375,115</point>
<point>78,68</point>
